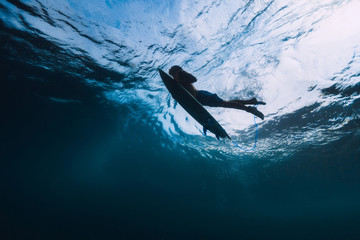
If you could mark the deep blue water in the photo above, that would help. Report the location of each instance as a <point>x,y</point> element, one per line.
<point>94,147</point>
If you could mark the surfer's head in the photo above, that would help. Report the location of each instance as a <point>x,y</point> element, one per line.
<point>174,69</point>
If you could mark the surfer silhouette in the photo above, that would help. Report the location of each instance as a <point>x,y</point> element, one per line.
<point>210,99</point>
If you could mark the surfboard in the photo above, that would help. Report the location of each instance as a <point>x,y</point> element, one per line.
<point>193,106</point>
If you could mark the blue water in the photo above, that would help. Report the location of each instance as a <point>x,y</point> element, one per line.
<point>94,147</point>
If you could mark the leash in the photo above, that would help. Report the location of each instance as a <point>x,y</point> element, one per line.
<point>256,135</point>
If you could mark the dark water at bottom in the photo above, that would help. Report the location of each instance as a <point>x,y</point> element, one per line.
<point>80,170</point>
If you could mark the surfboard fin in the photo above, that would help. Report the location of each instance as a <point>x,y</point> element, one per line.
<point>217,137</point>
<point>204,130</point>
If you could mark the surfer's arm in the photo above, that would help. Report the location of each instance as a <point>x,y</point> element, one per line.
<point>186,77</point>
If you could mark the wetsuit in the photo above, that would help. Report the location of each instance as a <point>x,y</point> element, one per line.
<point>204,97</point>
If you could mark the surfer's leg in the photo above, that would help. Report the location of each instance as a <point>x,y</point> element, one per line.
<point>234,104</point>
<point>252,101</point>
<point>256,112</point>
<point>237,105</point>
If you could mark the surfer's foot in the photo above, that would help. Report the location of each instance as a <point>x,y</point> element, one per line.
<point>256,112</point>
<point>256,102</point>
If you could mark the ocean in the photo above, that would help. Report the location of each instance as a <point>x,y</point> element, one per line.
<point>94,146</point>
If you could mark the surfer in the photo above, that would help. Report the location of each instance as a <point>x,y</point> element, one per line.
<point>210,99</point>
